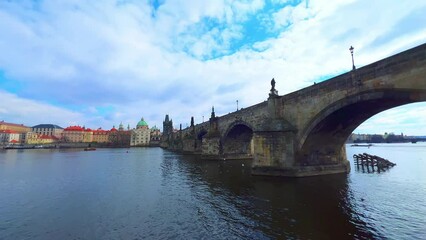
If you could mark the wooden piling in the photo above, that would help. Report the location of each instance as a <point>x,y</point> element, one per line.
<point>374,162</point>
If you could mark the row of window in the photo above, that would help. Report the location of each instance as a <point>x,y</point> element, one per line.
<point>44,129</point>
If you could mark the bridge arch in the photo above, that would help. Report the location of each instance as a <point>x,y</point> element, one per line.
<point>199,139</point>
<point>201,134</point>
<point>333,125</point>
<point>237,141</point>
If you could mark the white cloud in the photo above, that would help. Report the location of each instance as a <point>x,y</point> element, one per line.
<point>406,119</point>
<point>102,54</point>
<point>21,110</point>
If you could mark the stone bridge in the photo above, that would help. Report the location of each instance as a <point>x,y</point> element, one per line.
<point>303,133</point>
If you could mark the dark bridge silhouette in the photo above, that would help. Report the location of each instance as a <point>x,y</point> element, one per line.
<point>303,133</point>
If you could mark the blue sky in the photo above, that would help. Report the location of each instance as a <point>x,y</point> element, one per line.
<point>99,63</point>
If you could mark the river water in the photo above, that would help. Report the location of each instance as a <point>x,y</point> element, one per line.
<point>151,193</point>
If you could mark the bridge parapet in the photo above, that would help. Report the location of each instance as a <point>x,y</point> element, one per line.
<point>403,73</point>
<point>400,64</point>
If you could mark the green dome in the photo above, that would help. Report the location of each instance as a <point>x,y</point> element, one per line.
<point>142,123</point>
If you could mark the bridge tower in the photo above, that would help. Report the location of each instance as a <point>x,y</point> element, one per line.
<point>167,132</point>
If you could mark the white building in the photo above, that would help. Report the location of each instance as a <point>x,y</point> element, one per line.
<point>140,136</point>
<point>48,129</point>
<point>9,137</point>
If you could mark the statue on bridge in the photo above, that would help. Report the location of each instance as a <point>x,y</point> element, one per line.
<point>274,92</point>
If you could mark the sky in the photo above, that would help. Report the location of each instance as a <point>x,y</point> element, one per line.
<point>102,63</point>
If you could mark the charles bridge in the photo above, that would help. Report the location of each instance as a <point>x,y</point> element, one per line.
<point>303,133</point>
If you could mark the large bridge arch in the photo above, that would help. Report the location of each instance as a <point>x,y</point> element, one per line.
<point>322,141</point>
<point>237,141</point>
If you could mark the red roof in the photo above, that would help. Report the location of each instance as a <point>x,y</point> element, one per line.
<point>74,128</point>
<point>14,141</point>
<point>113,129</point>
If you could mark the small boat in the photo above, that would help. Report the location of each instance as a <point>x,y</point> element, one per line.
<point>362,145</point>
<point>15,147</point>
<point>90,149</point>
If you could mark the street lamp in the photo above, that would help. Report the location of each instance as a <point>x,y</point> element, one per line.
<point>237,105</point>
<point>352,54</point>
<point>203,118</point>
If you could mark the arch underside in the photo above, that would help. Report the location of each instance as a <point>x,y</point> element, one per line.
<point>199,140</point>
<point>201,134</point>
<point>237,143</point>
<point>323,142</point>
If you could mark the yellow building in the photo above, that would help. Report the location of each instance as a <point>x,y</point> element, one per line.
<point>31,138</point>
<point>88,135</point>
<point>73,134</point>
<point>20,128</point>
<point>100,136</point>
<point>35,138</point>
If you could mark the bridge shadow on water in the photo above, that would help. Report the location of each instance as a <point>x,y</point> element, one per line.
<point>244,206</point>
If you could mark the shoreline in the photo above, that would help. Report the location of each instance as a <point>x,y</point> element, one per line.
<point>68,146</point>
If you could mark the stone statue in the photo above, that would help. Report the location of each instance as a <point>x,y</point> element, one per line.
<point>274,92</point>
<point>213,114</point>
<point>273,85</point>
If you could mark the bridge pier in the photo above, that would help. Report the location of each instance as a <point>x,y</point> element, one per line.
<point>211,148</point>
<point>275,155</point>
<point>268,162</point>
<point>188,146</point>
<point>273,149</point>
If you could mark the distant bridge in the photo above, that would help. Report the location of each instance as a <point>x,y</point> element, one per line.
<point>303,133</point>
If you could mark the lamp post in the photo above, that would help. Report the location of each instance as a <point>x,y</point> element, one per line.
<point>203,118</point>
<point>352,54</point>
<point>237,105</point>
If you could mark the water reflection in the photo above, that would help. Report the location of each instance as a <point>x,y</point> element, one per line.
<point>317,207</point>
<point>151,193</point>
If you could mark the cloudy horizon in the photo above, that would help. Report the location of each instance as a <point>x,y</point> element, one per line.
<point>102,63</point>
